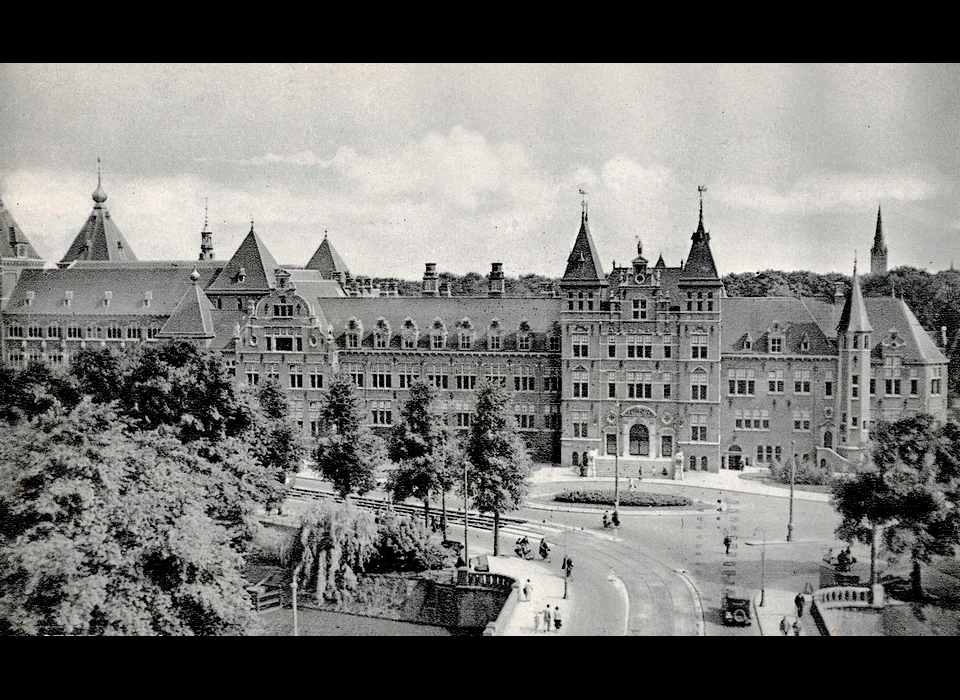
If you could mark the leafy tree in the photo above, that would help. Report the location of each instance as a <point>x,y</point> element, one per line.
<point>34,390</point>
<point>347,452</point>
<point>105,531</point>
<point>278,445</point>
<point>908,492</point>
<point>498,457</point>
<point>402,545</point>
<point>418,445</point>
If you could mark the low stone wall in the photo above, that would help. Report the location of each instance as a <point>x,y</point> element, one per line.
<point>435,598</point>
<point>832,607</point>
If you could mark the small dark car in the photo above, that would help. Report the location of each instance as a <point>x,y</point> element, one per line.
<point>736,606</point>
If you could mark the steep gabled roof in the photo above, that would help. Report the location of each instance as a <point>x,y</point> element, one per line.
<point>257,264</point>
<point>890,313</point>
<point>583,265</point>
<point>192,317</point>
<point>99,238</point>
<point>853,318</point>
<point>327,261</point>
<point>12,234</point>
<point>660,262</point>
<point>754,316</point>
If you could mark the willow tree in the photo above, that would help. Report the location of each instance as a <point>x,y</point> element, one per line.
<point>499,462</point>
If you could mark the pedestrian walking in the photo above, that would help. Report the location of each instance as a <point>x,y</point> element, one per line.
<point>784,626</point>
<point>633,484</point>
<point>796,628</point>
<point>569,567</point>
<point>547,619</point>
<point>727,542</point>
<point>527,590</point>
<point>799,602</point>
<point>557,621</point>
<point>563,566</point>
<point>537,616</point>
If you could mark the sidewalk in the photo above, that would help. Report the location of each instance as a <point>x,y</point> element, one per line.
<point>778,605</point>
<point>725,480</point>
<point>547,590</point>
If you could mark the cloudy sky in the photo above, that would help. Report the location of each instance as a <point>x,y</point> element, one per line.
<point>463,165</point>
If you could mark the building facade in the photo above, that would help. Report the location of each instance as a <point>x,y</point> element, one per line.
<point>643,367</point>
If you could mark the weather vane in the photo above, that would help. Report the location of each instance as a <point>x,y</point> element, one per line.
<point>583,202</point>
<point>701,189</point>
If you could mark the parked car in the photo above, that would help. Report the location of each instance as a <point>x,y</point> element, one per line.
<point>737,605</point>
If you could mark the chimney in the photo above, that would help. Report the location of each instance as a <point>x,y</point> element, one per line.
<point>496,280</point>
<point>839,293</point>
<point>430,282</point>
<point>943,335</point>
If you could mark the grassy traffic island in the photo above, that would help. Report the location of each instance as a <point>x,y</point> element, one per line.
<point>641,499</point>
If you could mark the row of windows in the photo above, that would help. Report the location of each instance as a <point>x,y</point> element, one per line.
<point>639,346</point>
<point>438,341</point>
<point>113,331</point>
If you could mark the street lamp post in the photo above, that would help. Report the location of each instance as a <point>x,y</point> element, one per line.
<point>616,478</point>
<point>293,588</point>
<point>763,564</point>
<point>466,547</point>
<point>793,464</point>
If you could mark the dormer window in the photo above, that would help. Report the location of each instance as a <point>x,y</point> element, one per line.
<point>554,343</point>
<point>438,335</point>
<point>776,344</point>
<point>147,298</point>
<point>523,336</point>
<point>466,340</point>
<point>107,298</point>
<point>410,334</point>
<point>67,298</point>
<point>495,337</point>
<point>242,275</point>
<point>805,343</point>
<point>28,298</point>
<point>354,331</point>
<point>381,336</point>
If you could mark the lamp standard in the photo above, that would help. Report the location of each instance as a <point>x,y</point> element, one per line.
<point>293,588</point>
<point>763,563</point>
<point>793,465</point>
<point>466,549</point>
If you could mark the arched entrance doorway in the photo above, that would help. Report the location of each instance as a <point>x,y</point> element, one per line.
<point>639,440</point>
<point>735,458</point>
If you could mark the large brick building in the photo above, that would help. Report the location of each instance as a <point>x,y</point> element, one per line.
<point>643,362</point>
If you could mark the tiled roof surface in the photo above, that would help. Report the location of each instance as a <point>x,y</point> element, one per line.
<point>99,239</point>
<point>258,265</point>
<point>191,318</point>
<point>311,286</point>
<point>755,316</point>
<point>327,261</point>
<point>11,233</point>
<point>88,283</point>
<point>583,264</point>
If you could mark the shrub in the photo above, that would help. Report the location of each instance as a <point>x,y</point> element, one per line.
<point>807,473</point>
<point>627,498</point>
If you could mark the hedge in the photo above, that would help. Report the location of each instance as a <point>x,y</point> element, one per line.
<point>627,498</point>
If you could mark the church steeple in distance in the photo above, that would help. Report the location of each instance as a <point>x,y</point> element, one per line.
<point>878,253</point>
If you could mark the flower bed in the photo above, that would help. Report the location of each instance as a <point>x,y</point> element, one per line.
<point>627,498</point>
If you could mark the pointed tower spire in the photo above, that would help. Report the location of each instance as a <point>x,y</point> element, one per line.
<point>206,237</point>
<point>583,263</point>
<point>700,263</point>
<point>878,253</point>
<point>854,317</point>
<point>327,261</point>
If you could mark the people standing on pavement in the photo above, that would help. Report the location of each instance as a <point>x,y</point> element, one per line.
<point>563,566</point>
<point>727,542</point>
<point>569,567</point>
<point>606,518</point>
<point>615,519</point>
<point>784,627</point>
<point>547,619</point>
<point>537,616</point>
<point>544,549</point>
<point>796,628</point>
<point>557,622</point>
<point>799,602</point>
<point>527,590</point>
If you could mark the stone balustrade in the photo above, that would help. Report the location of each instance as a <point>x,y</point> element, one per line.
<point>843,597</point>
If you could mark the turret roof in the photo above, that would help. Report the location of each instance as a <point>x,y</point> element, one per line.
<point>327,260</point>
<point>583,264</point>
<point>853,318</point>
<point>258,266</point>
<point>700,263</point>
<point>193,315</point>
<point>10,234</point>
<point>99,238</point>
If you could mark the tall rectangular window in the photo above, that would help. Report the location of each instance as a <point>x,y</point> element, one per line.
<point>639,309</point>
<point>382,376</point>
<point>580,423</point>
<point>381,412</point>
<point>775,381</point>
<point>296,376</point>
<point>524,380</point>
<point>639,385</point>
<point>741,382</point>
<point>581,383</point>
<point>316,376</point>
<point>581,345</point>
<point>436,376</point>
<point>698,428</point>
<point>496,373</point>
<point>466,377</point>
<point>698,386</point>
<point>407,374</point>
<point>698,347</point>
<point>801,381</point>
